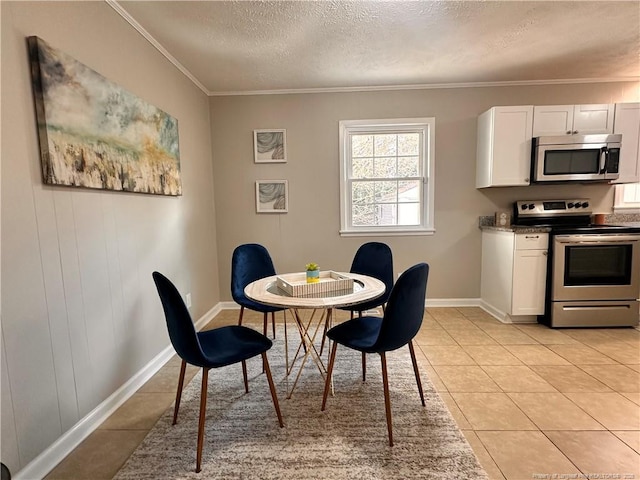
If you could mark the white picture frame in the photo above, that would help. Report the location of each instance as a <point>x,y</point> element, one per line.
<point>270,145</point>
<point>272,196</point>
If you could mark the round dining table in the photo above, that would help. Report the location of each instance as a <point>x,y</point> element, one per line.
<point>267,291</point>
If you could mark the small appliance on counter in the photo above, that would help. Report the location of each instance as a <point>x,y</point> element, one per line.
<point>593,271</point>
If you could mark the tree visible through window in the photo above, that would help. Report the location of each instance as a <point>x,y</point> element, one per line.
<point>387,175</point>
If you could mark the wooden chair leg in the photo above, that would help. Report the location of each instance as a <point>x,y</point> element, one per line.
<point>272,388</point>
<point>264,326</point>
<point>203,409</point>
<point>240,317</point>
<point>351,314</point>
<point>415,370</point>
<point>183,368</point>
<point>327,383</point>
<point>244,376</point>
<point>364,367</point>
<point>273,323</point>
<point>387,400</point>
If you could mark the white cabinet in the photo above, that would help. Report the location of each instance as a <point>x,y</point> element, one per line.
<point>503,156</point>
<point>513,278</point>
<point>572,119</point>
<point>627,122</point>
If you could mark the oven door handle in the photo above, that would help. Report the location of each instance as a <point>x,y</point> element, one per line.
<point>595,242</point>
<point>600,239</point>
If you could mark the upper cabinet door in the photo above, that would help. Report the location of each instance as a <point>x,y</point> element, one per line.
<point>627,122</point>
<point>504,147</point>
<point>591,119</point>
<point>551,120</point>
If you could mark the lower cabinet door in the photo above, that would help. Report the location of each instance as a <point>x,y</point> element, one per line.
<point>529,279</point>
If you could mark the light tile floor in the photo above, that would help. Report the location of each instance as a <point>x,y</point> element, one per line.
<point>532,402</point>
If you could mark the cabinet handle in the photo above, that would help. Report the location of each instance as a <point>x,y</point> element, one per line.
<point>568,132</point>
<point>545,253</point>
<point>532,236</point>
<point>575,131</point>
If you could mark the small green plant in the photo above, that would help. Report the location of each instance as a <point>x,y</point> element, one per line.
<point>311,267</point>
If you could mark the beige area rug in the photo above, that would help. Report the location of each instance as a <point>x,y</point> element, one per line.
<point>347,441</point>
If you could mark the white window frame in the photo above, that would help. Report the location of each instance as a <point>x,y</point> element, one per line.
<point>426,127</point>
<point>619,204</point>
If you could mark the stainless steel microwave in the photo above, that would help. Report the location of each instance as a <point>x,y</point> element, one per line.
<point>576,158</point>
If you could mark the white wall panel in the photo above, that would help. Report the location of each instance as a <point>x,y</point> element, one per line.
<point>56,307</point>
<point>94,277</point>
<point>8,432</point>
<point>73,296</point>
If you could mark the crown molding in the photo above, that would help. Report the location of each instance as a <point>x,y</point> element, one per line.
<point>132,21</point>
<point>428,86</point>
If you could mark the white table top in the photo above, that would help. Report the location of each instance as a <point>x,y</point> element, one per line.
<point>265,291</point>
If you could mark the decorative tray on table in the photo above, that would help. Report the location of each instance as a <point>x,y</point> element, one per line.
<point>295,284</point>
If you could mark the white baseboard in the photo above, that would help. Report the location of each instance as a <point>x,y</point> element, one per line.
<point>40,466</point>
<point>505,317</point>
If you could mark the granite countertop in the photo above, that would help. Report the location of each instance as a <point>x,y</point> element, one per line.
<point>487,222</point>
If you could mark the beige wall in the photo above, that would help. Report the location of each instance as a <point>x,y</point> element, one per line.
<point>309,232</point>
<point>80,314</point>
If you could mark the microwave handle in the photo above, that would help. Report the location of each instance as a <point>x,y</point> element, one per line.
<point>604,159</point>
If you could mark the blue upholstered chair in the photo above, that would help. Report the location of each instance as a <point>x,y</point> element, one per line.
<point>209,349</point>
<point>401,322</point>
<point>251,262</point>
<point>375,260</point>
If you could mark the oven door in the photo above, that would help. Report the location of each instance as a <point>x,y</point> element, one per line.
<point>596,267</point>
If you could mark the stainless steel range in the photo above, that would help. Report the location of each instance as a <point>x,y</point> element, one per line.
<point>593,272</point>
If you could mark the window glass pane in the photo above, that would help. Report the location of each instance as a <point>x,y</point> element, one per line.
<point>409,191</point>
<point>385,145</point>
<point>362,168</point>
<point>361,145</point>
<point>408,166</point>
<point>363,215</point>
<point>362,192</point>
<point>387,214</point>
<point>409,144</point>
<point>385,167</point>
<point>385,192</point>
<point>408,214</point>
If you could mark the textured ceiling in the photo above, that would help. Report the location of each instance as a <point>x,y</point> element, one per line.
<point>248,46</point>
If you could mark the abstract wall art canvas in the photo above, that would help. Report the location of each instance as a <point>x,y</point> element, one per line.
<point>95,134</point>
<point>270,146</point>
<point>272,196</point>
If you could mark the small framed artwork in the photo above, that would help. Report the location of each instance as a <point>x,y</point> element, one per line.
<point>270,146</point>
<point>272,196</point>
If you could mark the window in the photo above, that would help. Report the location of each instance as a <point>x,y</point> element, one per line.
<point>386,176</point>
<point>627,198</point>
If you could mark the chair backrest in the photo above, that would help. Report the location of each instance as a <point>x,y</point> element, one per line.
<point>249,263</point>
<point>375,260</point>
<point>405,309</point>
<point>181,329</point>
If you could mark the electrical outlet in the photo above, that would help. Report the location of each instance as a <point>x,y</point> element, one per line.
<point>188,300</point>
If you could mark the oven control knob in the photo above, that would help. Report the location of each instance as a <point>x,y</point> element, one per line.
<point>570,205</point>
<point>531,206</point>
<point>585,204</point>
<point>524,206</point>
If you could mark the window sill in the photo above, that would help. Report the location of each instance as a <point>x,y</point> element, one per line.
<point>387,233</point>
